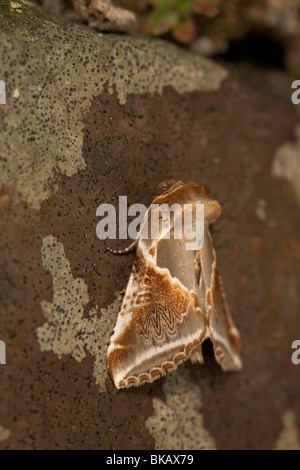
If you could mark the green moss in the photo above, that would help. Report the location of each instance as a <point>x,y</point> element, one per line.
<point>29,17</point>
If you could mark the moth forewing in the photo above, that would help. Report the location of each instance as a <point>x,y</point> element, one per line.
<point>157,327</point>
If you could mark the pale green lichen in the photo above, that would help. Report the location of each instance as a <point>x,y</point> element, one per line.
<point>289,436</point>
<point>286,163</point>
<point>66,330</point>
<point>57,70</point>
<point>4,433</point>
<point>177,423</point>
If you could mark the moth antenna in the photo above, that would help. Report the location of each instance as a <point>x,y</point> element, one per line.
<point>128,249</point>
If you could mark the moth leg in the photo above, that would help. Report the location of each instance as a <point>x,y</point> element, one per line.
<point>126,250</point>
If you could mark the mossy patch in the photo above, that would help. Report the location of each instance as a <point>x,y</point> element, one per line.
<point>4,433</point>
<point>21,15</point>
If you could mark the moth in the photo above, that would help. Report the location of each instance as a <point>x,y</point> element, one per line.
<point>174,300</point>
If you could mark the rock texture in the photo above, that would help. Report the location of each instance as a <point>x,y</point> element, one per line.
<point>89,117</point>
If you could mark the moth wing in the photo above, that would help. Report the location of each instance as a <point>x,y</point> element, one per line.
<point>160,321</point>
<point>221,329</point>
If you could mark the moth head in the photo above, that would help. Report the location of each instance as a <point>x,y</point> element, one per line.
<point>165,186</point>
<point>212,210</point>
<point>190,192</point>
<point>170,185</point>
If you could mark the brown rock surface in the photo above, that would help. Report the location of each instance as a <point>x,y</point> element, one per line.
<point>95,117</point>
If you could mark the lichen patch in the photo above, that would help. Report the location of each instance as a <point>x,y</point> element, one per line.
<point>66,331</point>
<point>4,433</point>
<point>286,163</point>
<point>177,424</point>
<point>289,436</point>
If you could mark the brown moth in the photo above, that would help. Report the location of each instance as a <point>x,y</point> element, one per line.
<point>173,301</point>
